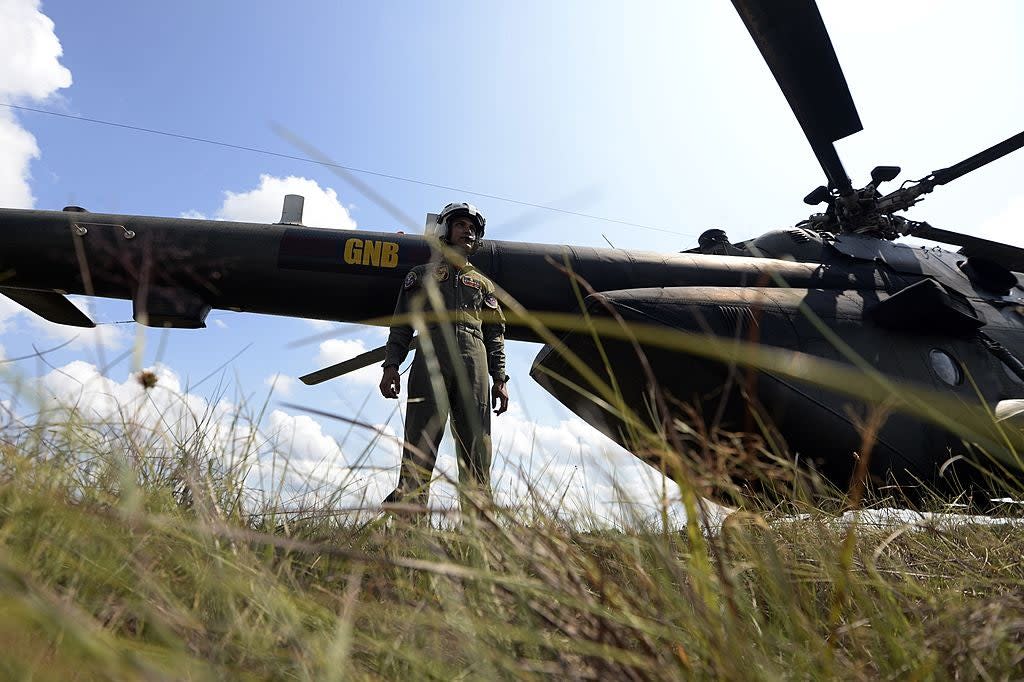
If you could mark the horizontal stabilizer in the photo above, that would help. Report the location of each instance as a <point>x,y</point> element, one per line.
<point>49,305</point>
<point>358,362</point>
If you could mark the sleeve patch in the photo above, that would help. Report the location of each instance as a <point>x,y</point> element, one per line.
<point>471,282</point>
<point>410,280</point>
<point>441,274</point>
<point>490,301</point>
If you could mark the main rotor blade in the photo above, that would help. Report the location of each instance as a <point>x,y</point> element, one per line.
<point>795,44</point>
<point>1010,257</point>
<point>905,197</point>
<point>358,362</point>
<point>996,151</point>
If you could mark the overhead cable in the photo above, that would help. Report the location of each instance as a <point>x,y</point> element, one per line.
<point>329,164</point>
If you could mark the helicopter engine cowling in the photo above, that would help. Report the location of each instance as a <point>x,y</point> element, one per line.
<point>794,243</point>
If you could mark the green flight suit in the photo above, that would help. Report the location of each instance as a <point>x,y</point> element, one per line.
<point>449,375</point>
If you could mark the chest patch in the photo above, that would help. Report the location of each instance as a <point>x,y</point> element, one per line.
<point>490,301</point>
<point>471,282</point>
<point>442,273</point>
<point>410,280</point>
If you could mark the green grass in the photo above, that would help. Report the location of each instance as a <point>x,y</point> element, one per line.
<point>127,556</point>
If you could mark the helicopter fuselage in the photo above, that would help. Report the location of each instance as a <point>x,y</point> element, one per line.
<point>176,270</point>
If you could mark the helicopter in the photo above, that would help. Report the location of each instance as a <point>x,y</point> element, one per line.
<point>928,318</point>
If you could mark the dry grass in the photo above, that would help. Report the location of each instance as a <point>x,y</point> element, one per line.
<point>128,563</point>
<point>132,552</point>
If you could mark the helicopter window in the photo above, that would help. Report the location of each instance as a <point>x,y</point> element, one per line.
<point>946,367</point>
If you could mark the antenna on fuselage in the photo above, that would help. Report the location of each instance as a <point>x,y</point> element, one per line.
<point>291,212</point>
<point>431,227</point>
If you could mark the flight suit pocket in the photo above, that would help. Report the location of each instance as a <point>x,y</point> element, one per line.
<point>472,295</point>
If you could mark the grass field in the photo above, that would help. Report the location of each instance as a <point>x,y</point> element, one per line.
<point>131,554</point>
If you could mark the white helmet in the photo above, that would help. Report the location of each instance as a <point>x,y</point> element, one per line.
<point>463,209</point>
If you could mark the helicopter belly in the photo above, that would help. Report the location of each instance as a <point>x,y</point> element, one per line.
<point>693,380</point>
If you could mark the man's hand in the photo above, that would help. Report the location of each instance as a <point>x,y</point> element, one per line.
<point>391,383</point>
<point>499,397</point>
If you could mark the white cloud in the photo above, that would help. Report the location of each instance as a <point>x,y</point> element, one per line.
<point>17,150</point>
<point>99,397</point>
<point>8,311</point>
<point>282,384</point>
<point>337,350</point>
<point>30,67</point>
<point>303,436</point>
<point>29,70</point>
<point>575,467</point>
<point>263,204</point>
<point>291,459</point>
<point>311,465</point>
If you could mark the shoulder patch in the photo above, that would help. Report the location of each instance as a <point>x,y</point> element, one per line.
<point>410,280</point>
<point>442,273</point>
<point>471,282</point>
<point>490,301</point>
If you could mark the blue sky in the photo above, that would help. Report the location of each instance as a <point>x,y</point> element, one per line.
<point>658,113</point>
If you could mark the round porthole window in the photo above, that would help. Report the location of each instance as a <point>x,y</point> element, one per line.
<point>946,367</point>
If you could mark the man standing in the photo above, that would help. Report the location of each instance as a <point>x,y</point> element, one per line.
<point>463,345</point>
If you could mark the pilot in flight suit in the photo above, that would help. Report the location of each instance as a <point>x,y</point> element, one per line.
<point>451,368</point>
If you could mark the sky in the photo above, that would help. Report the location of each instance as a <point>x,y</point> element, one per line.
<point>660,114</point>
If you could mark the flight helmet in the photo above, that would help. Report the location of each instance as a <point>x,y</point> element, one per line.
<point>462,208</point>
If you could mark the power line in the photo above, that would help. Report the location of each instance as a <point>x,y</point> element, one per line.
<point>330,164</point>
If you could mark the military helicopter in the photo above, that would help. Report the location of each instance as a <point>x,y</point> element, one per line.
<point>834,287</point>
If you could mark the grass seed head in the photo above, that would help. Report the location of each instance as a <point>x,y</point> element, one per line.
<point>147,378</point>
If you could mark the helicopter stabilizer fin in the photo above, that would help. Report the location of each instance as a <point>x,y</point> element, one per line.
<point>49,305</point>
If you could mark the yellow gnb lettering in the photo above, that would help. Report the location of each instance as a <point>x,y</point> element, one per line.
<point>354,251</point>
<point>370,252</point>
<point>388,254</point>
